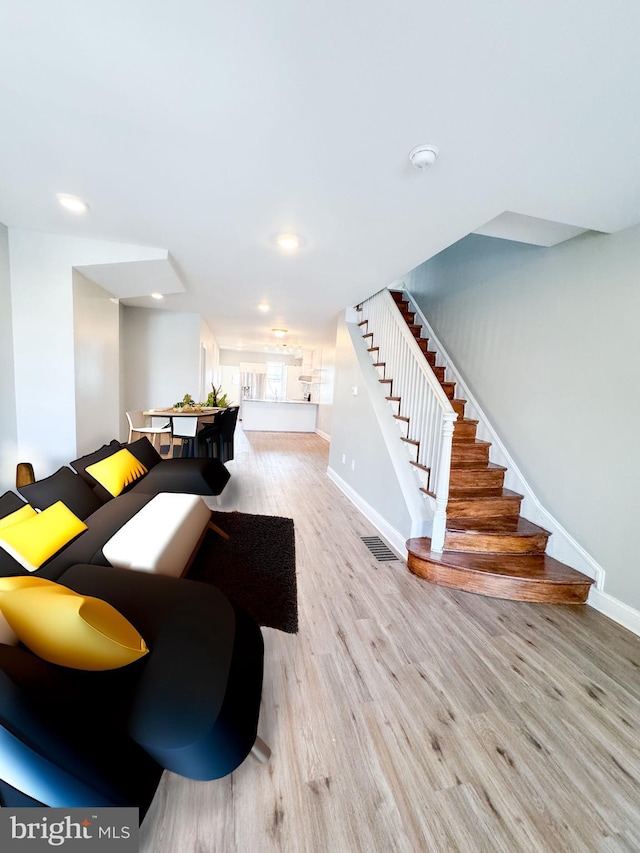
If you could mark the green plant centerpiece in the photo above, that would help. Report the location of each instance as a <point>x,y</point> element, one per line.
<point>187,404</point>
<point>216,399</point>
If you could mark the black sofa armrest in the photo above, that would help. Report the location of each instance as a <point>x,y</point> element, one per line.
<point>196,704</point>
<point>57,749</point>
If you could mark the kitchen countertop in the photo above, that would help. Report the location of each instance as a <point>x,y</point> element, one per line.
<point>264,400</point>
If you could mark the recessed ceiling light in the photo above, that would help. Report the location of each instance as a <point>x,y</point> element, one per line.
<point>157,296</point>
<point>288,242</point>
<point>263,307</point>
<point>279,333</point>
<point>72,203</point>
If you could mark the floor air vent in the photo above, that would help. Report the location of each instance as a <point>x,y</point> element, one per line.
<point>379,549</point>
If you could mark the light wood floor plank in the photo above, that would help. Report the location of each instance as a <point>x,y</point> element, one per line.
<point>408,717</point>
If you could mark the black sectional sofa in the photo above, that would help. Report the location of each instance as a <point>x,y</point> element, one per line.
<point>73,737</point>
<point>104,514</point>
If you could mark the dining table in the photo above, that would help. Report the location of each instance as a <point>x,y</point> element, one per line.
<point>200,412</point>
<point>204,414</point>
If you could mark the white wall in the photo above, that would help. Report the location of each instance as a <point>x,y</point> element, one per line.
<point>43,337</point>
<point>209,347</point>
<point>96,354</point>
<point>159,358</point>
<point>325,390</point>
<point>356,436</point>
<point>229,379</point>
<point>8,433</point>
<point>547,339</point>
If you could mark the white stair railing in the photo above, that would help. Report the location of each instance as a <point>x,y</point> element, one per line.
<point>429,411</point>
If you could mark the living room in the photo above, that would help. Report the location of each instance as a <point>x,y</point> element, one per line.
<point>519,242</point>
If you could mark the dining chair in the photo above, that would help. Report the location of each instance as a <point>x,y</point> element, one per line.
<point>186,428</point>
<point>227,433</point>
<point>208,436</point>
<point>138,424</point>
<point>217,438</point>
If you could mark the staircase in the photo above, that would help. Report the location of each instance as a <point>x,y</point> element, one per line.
<point>488,547</point>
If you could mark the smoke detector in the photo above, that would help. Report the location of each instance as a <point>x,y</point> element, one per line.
<point>423,156</point>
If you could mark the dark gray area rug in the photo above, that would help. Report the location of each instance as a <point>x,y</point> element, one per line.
<point>255,568</point>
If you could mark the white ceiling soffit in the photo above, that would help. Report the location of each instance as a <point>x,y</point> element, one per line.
<point>528,229</point>
<point>135,278</point>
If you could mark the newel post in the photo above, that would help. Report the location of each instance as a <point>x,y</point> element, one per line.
<point>442,486</point>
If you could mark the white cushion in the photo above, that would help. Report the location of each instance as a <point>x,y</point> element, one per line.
<point>161,536</point>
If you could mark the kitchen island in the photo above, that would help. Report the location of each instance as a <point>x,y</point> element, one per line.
<point>278,415</point>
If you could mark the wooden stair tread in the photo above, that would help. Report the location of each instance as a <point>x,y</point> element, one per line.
<point>482,494</point>
<point>477,491</point>
<point>497,535</point>
<point>476,466</point>
<point>497,502</point>
<point>537,567</point>
<point>496,525</point>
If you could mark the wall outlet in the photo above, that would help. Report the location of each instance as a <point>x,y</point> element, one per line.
<point>354,390</point>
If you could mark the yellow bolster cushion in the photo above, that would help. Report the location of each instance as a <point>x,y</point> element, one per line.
<point>16,517</point>
<point>66,628</point>
<point>33,541</point>
<point>117,471</point>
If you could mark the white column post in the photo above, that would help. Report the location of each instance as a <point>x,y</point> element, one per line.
<point>442,487</point>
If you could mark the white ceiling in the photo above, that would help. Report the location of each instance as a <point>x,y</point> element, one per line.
<point>206,128</point>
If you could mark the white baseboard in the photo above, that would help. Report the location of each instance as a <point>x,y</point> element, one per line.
<point>615,609</point>
<point>324,435</point>
<point>395,539</point>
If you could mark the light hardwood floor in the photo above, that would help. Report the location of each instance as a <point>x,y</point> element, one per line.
<point>409,717</point>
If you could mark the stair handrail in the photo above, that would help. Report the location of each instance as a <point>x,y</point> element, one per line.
<point>423,400</point>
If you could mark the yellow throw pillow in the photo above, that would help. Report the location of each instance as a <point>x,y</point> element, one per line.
<point>33,541</point>
<point>117,471</point>
<point>22,514</point>
<point>66,628</point>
